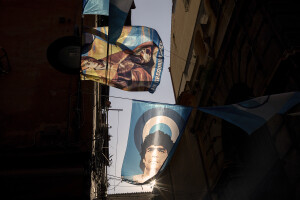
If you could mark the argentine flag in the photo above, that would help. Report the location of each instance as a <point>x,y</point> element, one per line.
<point>252,114</point>
<point>95,7</point>
<point>118,10</point>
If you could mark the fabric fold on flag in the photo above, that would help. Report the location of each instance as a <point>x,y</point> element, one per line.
<point>252,114</point>
<point>155,130</point>
<point>135,63</point>
<point>96,7</point>
<point>118,11</point>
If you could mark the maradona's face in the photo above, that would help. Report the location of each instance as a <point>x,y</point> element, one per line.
<point>154,158</point>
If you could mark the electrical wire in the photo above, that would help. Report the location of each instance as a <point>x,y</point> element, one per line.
<point>177,56</point>
<point>125,98</point>
<point>115,186</point>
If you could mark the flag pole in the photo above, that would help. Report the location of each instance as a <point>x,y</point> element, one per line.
<point>107,52</point>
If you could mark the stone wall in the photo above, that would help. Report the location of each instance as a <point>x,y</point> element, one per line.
<point>239,50</point>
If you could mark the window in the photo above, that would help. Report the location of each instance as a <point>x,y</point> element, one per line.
<point>186,5</point>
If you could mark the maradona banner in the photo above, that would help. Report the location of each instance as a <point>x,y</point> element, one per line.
<point>135,63</point>
<point>155,130</point>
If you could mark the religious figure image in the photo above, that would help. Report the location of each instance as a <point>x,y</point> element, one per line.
<point>154,152</point>
<point>133,63</point>
<point>126,69</point>
<point>136,67</point>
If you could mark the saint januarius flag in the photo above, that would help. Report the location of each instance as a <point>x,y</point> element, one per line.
<point>155,130</point>
<point>135,63</point>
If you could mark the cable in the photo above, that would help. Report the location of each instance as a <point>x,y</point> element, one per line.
<point>113,176</point>
<point>178,56</point>
<point>124,98</point>
<point>115,186</point>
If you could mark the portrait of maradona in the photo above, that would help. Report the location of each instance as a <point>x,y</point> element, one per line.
<point>154,152</point>
<point>127,69</point>
<point>151,142</point>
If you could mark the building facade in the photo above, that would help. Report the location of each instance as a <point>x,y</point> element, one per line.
<point>224,52</point>
<point>50,121</point>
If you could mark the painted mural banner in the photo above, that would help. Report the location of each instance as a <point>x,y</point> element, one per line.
<point>155,130</point>
<point>134,63</point>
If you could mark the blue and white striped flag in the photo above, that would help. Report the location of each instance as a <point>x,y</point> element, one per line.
<point>252,114</point>
<point>96,7</point>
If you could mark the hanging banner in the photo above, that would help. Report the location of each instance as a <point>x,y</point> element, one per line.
<point>135,63</point>
<point>95,7</point>
<point>118,11</point>
<point>155,130</point>
<point>252,114</point>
